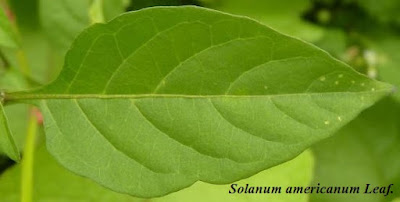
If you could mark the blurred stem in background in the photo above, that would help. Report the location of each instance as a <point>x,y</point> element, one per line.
<point>96,12</point>
<point>23,63</point>
<point>28,159</point>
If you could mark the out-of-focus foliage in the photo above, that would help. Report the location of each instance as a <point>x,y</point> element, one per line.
<point>284,17</point>
<point>16,114</point>
<point>387,49</point>
<point>386,11</point>
<point>139,4</point>
<point>34,57</point>
<point>55,183</point>
<point>113,8</point>
<point>62,20</point>
<point>7,35</point>
<point>364,152</point>
<point>7,144</point>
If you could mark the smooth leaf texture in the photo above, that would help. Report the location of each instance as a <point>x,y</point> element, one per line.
<point>366,151</point>
<point>7,144</point>
<point>160,98</point>
<point>7,35</point>
<point>78,189</point>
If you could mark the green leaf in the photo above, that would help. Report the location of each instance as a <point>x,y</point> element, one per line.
<point>63,20</point>
<point>297,172</point>
<point>7,145</point>
<point>160,98</point>
<point>364,152</point>
<point>7,35</point>
<point>75,188</point>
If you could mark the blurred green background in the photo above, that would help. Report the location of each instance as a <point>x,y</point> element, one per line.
<point>362,33</point>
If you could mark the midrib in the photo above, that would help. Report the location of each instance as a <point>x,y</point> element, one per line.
<point>28,96</point>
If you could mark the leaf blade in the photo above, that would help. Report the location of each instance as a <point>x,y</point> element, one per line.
<point>193,107</point>
<point>7,144</point>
